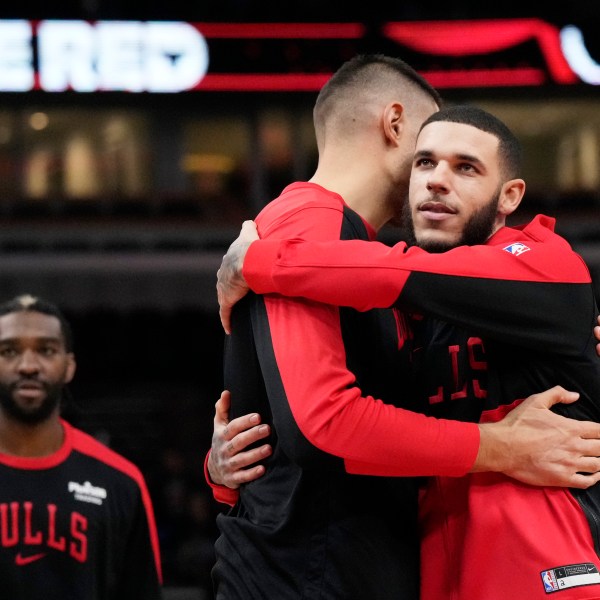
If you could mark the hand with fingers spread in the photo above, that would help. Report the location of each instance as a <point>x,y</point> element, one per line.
<point>229,461</point>
<point>539,447</point>
<point>231,286</point>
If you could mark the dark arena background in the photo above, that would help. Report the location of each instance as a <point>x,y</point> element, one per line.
<point>124,177</point>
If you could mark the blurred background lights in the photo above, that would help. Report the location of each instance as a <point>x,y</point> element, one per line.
<point>38,121</point>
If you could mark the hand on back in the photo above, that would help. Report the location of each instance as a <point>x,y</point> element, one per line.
<point>229,463</point>
<point>231,286</point>
<point>537,446</point>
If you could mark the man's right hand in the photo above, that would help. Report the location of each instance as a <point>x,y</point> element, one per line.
<point>539,447</point>
<point>231,285</point>
<point>228,461</point>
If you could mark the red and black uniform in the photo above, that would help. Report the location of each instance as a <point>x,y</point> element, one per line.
<point>76,525</point>
<point>308,529</point>
<point>527,297</point>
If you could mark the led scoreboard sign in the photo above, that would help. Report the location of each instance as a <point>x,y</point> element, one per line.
<point>169,56</point>
<point>55,56</point>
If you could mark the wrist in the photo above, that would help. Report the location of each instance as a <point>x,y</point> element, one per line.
<point>209,471</point>
<point>494,449</point>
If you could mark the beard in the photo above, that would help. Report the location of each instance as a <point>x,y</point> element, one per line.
<point>476,230</point>
<point>35,415</point>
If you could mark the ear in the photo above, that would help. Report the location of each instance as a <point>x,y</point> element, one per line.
<point>393,122</point>
<point>71,368</point>
<point>511,195</point>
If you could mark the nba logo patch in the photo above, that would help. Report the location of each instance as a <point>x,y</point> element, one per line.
<point>517,248</point>
<point>549,580</point>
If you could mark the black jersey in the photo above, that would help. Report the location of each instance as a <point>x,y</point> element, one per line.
<point>76,525</point>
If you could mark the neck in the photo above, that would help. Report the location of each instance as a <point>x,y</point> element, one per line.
<point>363,188</point>
<point>27,440</point>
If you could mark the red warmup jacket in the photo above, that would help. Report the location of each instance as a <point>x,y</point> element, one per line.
<point>523,309</point>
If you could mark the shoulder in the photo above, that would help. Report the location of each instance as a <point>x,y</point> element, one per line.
<point>304,210</point>
<point>86,444</point>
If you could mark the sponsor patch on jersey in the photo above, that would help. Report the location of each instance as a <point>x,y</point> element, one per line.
<point>569,576</point>
<point>517,248</point>
<point>86,492</point>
